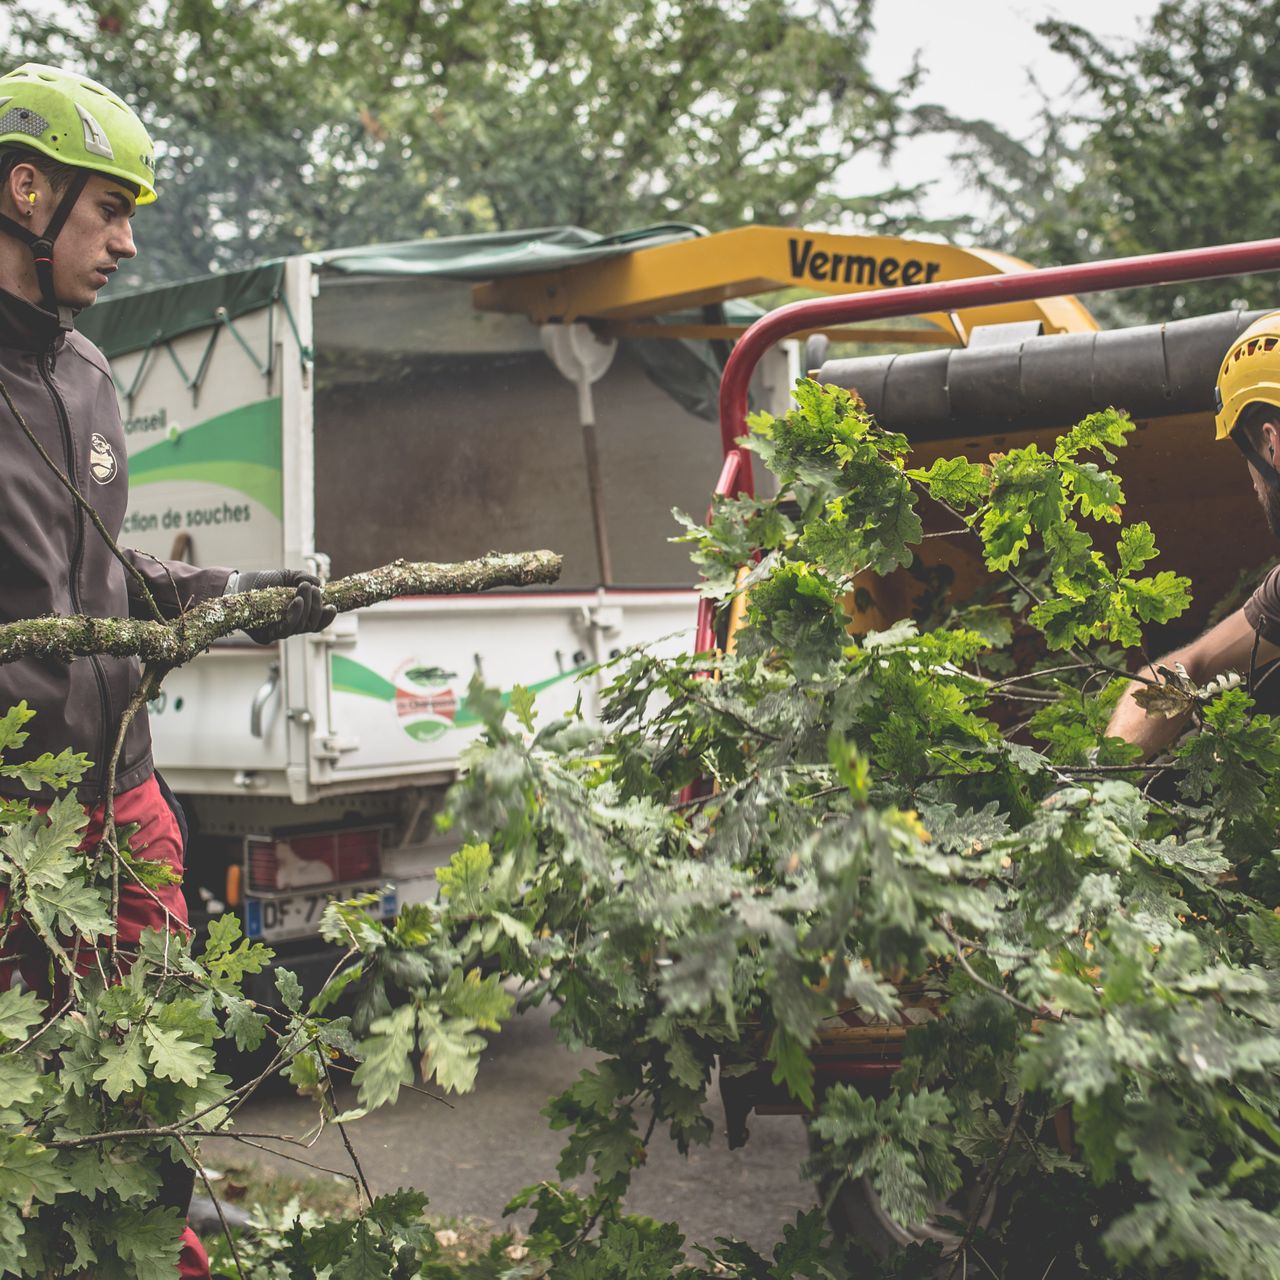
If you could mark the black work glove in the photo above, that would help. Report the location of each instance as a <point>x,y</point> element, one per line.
<point>307,610</point>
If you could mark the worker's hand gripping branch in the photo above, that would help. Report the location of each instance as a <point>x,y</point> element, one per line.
<point>307,611</point>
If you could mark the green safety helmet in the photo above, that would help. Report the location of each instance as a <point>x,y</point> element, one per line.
<point>80,123</point>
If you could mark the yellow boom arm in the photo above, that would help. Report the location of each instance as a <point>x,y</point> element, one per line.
<point>626,290</point>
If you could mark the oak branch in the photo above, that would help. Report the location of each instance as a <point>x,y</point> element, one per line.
<point>171,644</point>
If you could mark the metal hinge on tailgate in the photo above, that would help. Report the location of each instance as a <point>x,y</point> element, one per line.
<point>333,746</point>
<point>604,618</point>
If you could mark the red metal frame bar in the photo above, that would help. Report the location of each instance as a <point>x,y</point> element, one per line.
<point>952,295</point>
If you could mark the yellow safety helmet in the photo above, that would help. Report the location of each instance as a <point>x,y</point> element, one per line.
<point>1250,374</point>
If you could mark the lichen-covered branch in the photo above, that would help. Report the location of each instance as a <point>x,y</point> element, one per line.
<point>174,643</point>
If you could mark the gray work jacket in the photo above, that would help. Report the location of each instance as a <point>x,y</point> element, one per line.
<point>52,558</point>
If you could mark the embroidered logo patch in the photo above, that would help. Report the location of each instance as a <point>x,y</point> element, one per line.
<point>102,462</point>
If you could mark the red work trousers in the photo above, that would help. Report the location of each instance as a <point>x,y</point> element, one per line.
<point>159,838</point>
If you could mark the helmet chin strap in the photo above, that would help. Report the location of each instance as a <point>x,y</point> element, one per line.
<point>41,246</point>
<point>1270,476</point>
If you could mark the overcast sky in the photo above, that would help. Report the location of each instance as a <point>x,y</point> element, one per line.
<point>978,59</point>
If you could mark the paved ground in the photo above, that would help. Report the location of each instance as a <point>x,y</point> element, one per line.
<point>471,1158</point>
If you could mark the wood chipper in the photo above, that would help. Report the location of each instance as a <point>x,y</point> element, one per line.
<point>1013,387</point>
<point>992,395</point>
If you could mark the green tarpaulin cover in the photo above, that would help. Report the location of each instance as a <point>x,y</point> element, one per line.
<point>688,371</point>
<point>505,253</point>
<point>135,321</point>
<point>140,319</point>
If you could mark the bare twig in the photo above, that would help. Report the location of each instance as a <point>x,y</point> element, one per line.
<point>217,1204</point>
<point>988,1183</point>
<point>247,1140</point>
<point>1136,767</point>
<point>346,1140</point>
<point>1043,671</point>
<point>305,1143</point>
<point>1043,699</point>
<point>944,923</point>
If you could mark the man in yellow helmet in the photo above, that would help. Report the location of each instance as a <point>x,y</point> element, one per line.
<point>75,162</point>
<point>1248,641</point>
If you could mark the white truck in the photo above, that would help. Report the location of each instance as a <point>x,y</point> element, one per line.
<point>335,413</point>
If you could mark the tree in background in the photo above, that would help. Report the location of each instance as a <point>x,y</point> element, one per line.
<point>293,125</point>
<point>1177,145</point>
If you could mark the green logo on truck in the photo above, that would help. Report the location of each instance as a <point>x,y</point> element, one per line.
<point>425,702</point>
<point>239,450</point>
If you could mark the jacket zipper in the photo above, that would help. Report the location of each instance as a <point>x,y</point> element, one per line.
<point>45,365</point>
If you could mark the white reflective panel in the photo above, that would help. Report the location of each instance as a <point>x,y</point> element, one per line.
<point>95,140</point>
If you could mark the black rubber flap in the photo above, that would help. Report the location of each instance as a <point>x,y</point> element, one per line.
<point>1148,370</point>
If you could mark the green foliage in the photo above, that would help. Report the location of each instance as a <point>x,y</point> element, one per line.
<point>1074,973</point>
<point>1029,494</point>
<point>134,1056</point>
<point>94,1083</point>
<point>573,1237</point>
<point>1068,953</point>
<point>387,1240</point>
<point>423,118</point>
<point>900,1145</point>
<point>103,1086</point>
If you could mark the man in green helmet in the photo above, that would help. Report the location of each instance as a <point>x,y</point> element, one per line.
<point>75,163</point>
<point>80,139</point>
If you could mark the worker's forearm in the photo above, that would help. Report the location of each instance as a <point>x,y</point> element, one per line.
<point>1231,645</point>
<point>1151,733</point>
<point>1130,720</point>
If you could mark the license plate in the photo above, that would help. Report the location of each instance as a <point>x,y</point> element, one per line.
<point>295,915</point>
